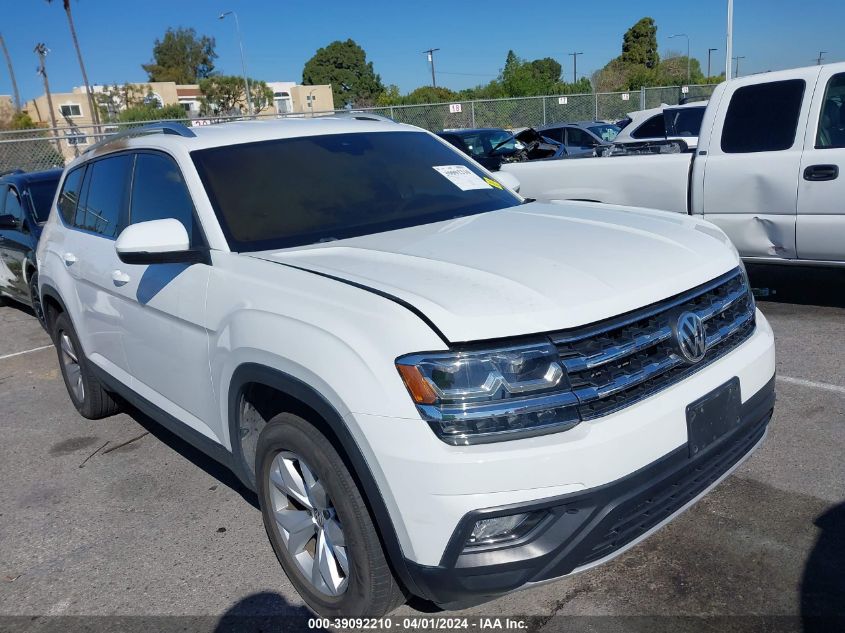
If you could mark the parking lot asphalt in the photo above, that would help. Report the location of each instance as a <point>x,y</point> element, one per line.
<point>120,518</point>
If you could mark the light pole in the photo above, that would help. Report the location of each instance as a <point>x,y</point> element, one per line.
<point>821,58</point>
<point>736,59</point>
<point>729,40</point>
<point>688,60</point>
<point>574,57</point>
<point>431,52</point>
<point>243,60</point>
<point>709,51</point>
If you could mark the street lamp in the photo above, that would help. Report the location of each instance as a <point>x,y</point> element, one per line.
<point>709,52</point>
<point>243,61</point>
<point>688,64</point>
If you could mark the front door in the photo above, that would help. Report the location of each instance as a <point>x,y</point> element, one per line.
<point>820,234</point>
<point>753,161</point>
<point>162,306</point>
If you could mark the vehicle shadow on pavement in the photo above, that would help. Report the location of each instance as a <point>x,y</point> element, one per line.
<point>220,472</point>
<point>803,285</point>
<point>265,611</point>
<point>823,581</point>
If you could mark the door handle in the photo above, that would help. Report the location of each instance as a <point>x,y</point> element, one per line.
<point>818,173</point>
<point>119,278</point>
<point>70,259</point>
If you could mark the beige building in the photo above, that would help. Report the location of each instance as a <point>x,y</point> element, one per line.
<point>73,116</point>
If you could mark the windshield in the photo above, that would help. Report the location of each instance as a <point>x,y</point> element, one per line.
<point>41,194</point>
<point>606,132</point>
<point>290,192</point>
<point>483,142</point>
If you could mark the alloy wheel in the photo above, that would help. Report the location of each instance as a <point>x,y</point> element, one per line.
<point>73,371</point>
<point>308,524</point>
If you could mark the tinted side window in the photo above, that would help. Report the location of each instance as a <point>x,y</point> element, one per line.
<point>655,127</point>
<point>69,198</point>
<point>763,118</point>
<point>555,133</point>
<point>13,205</point>
<point>578,137</point>
<point>159,192</point>
<point>832,120</point>
<point>103,209</point>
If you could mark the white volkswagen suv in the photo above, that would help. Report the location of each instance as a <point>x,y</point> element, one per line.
<point>436,387</point>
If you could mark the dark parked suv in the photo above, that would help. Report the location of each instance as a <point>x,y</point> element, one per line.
<point>25,200</point>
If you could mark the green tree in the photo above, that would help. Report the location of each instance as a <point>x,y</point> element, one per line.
<point>150,112</point>
<point>88,92</point>
<point>390,96</point>
<point>639,44</point>
<point>115,98</point>
<point>344,65</point>
<point>672,70</point>
<point>182,57</point>
<point>430,94</point>
<point>225,95</point>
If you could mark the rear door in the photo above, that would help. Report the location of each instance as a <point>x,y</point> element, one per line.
<point>820,234</point>
<point>752,161</point>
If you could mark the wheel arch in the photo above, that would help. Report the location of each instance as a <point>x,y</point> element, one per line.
<point>289,394</point>
<point>53,304</point>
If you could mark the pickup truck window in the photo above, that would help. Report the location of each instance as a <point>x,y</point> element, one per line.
<point>295,191</point>
<point>763,117</point>
<point>832,120</point>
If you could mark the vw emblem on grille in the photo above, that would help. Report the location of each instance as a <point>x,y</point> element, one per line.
<point>691,338</point>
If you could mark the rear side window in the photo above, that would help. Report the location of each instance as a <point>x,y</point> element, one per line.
<point>655,127</point>
<point>763,118</point>
<point>554,133</point>
<point>102,211</point>
<point>159,192</point>
<point>69,198</point>
<point>574,136</point>
<point>832,120</point>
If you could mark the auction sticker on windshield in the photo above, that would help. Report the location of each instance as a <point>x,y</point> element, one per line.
<point>462,177</point>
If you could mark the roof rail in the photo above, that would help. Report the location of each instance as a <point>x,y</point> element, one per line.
<point>364,116</point>
<point>152,128</point>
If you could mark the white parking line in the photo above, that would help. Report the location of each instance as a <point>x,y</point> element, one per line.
<point>27,351</point>
<point>823,386</point>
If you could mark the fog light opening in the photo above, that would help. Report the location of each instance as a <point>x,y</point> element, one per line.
<point>503,529</point>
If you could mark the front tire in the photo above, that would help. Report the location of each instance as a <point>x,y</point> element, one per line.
<point>319,525</point>
<point>86,392</point>
<point>35,299</point>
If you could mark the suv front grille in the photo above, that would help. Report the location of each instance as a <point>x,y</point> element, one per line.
<point>616,363</point>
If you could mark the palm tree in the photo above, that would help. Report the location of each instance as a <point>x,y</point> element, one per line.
<point>95,115</point>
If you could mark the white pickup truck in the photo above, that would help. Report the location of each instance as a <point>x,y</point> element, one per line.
<point>767,168</point>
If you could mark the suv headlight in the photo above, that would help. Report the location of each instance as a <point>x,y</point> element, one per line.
<point>472,397</point>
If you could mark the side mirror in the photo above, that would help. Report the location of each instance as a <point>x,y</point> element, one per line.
<point>156,242</point>
<point>508,180</point>
<point>8,222</point>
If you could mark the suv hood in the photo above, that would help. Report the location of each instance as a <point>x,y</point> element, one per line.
<point>528,269</point>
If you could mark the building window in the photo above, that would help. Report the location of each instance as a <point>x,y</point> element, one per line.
<point>75,137</point>
<point>70,109</point>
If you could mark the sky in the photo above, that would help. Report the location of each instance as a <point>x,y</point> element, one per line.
<point>279,36</point>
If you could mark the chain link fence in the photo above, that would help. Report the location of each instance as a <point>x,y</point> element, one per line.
<point>45,148</point>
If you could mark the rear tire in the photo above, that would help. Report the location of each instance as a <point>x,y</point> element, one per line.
<point>86,392</point>
<point>319,525</point>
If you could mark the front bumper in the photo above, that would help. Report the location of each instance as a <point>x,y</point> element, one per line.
<point>585,528</point>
